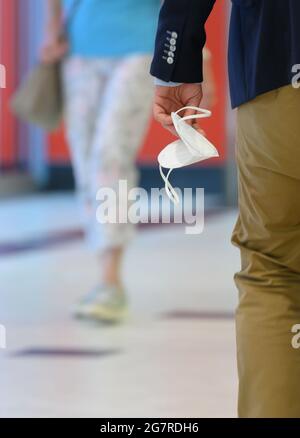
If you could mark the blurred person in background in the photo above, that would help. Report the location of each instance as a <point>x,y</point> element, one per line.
<point>108,96</point>
<point>107,50</point>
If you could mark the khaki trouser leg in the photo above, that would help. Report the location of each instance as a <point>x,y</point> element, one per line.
<point>268,235</point>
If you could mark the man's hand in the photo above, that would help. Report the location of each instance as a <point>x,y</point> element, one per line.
<point>171,99</point>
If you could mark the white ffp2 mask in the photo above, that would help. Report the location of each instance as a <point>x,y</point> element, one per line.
<point>190,148</point>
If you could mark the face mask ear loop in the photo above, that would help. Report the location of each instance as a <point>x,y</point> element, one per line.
<point>203,112</point>
<point>172,195</point>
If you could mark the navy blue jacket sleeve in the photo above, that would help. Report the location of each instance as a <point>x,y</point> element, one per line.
<point>180,39</point>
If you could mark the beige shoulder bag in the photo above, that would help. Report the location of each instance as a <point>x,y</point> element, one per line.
<point>39,99</point>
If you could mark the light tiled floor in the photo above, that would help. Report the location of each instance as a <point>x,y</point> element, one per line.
<point>157,365</point>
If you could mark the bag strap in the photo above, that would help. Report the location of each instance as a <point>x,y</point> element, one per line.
<point>70,16</point>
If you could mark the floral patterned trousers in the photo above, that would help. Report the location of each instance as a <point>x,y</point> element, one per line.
<point>107,110</point>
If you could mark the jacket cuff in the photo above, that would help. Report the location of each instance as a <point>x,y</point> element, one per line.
<point>180,40</point>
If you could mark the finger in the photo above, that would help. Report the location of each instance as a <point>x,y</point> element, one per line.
<point>198,128</point>
<point>161,116</point>
<point>209,101</point>
<point>171,129</point>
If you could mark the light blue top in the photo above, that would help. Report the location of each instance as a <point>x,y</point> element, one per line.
<point>110,28</point>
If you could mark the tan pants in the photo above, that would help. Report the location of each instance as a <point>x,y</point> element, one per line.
<point>268,235</point>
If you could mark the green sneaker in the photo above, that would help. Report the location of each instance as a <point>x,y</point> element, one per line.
<point>105,303</point>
